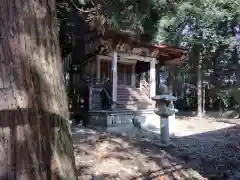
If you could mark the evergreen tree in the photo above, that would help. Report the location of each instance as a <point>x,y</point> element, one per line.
<point>35,135</point>
<point>208,29</point>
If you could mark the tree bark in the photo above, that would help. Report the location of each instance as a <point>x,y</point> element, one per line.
<point>196,58</point>
<point>199,89</point>
<point>34,132</point>
<point>204,100</point>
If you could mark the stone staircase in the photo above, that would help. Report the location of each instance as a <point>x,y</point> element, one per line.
<point>134,109</point>
<point>133,99</point>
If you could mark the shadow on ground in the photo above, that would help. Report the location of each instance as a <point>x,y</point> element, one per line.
<point>228,114</point>
<point>212,154</point>
<point>215,154</point>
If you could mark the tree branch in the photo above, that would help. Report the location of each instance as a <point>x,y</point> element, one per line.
<point>81,10</point>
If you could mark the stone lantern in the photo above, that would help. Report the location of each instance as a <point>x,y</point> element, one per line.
<point>165,109</point>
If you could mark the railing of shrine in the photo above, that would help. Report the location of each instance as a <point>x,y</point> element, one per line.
<point>105,86</point>
<point>145,87</point>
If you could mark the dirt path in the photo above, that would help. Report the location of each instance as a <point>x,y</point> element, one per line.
<point>120,157</point>
<point>215,154</point>
<point>210,148</point>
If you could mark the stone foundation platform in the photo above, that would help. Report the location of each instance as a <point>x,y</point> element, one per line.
<point>126,120</point>
<point>110,118</point>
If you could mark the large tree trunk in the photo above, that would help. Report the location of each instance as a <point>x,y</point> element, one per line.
<point>34,132</point>
<point>196,61</point>
<point>204,99</point>
<point>199,89</point>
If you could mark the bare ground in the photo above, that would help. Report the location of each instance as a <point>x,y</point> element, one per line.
<point>204,147</point>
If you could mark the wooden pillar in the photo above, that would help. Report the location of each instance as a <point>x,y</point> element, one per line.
<point>114,76</point>
<point>98,67</point>
<point>170,79</point>
<point>152,77</point>
<point>133,75</point>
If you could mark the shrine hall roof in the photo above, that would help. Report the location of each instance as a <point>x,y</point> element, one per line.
<point>128,43</point>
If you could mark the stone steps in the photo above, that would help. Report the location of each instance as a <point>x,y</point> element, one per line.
<point>132,99</point>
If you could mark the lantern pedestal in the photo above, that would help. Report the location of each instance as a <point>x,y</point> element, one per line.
<point>164,109</point>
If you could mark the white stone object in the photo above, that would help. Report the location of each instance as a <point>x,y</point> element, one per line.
<point>164,123</point>
<point>165,97</point>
